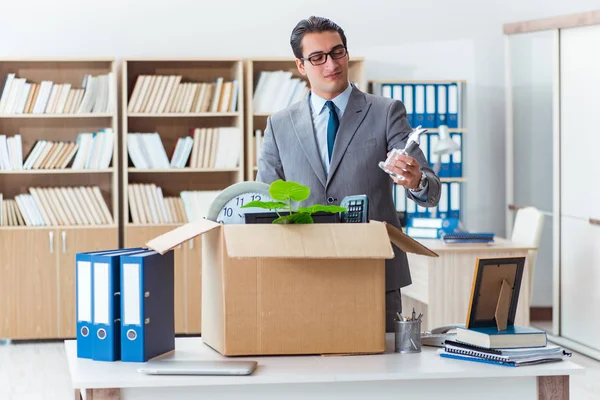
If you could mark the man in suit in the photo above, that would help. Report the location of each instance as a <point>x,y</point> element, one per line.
<point>332,141</point>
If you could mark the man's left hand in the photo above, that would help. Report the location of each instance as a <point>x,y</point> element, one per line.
<point>407,167</point>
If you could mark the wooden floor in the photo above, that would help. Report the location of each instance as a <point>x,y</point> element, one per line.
<point>38,370</point>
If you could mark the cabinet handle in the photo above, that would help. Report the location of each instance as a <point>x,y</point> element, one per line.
<point>64,241</point>
<point>51,236</point>
<point>595,221</point>
<point>191,244</point>
<point>514,207</point>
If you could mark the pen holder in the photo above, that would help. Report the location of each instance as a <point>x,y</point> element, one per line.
<point>408,336</point>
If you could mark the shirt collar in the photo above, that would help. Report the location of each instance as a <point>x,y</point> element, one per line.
<point>340,101</point>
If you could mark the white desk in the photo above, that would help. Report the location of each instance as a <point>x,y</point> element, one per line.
<point>423,375</point>
<point>441,286</point>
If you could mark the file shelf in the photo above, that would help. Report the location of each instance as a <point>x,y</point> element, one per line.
<point>441,115</point>
<point>38,261</point>
<point>174,116</point>
<point>257,119</point>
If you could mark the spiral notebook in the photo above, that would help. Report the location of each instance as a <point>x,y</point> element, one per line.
<point>510,357</point>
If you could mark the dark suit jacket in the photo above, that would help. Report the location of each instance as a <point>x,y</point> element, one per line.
<point>370,127</point>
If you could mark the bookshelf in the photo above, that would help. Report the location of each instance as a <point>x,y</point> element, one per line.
<point>432,103</point>
<point>58,157</point>
<point>256,115</point>
<point>199,98</point>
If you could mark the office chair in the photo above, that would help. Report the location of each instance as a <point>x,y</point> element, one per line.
<point>527,230</point>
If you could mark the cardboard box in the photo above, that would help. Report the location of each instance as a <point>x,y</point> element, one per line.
<point>293,289</point>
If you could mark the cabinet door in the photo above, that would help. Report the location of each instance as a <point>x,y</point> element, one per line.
<point>193,281</point>
<point>28,309</point>
<point>72,241</point>
<point>580,103</point>
<point>580,280</point>
<point>138,236</point>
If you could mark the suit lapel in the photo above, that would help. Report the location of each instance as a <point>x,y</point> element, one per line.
<point>356,110</point>
<point>302,122</point>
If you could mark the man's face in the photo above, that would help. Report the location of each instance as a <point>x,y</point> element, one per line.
<point>330,78</point>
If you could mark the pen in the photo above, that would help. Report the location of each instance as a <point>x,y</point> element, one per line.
<point>413,314</point>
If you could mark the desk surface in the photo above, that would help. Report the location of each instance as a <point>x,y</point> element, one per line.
<point>500,244</point>
<point>427,365</point>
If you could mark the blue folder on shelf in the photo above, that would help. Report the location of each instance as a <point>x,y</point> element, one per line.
<point>147,305</point>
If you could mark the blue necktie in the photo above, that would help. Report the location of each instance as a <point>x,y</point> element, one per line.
<point>332,127</point>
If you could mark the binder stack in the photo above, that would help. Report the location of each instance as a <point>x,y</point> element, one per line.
<point>125,304</point>
<point>431,104</point>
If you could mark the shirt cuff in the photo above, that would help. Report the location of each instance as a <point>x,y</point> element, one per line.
<point>421,194</point>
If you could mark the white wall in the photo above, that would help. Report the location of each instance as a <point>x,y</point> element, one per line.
<point>430,39</point>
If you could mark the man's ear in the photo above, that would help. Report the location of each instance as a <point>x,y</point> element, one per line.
<point>300,65</point>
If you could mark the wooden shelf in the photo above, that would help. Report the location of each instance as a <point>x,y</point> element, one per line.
<point>57,171</point>
<point>52,116</point>
<point>440,81</point>
<point>186,115</point>
<point>174,125</point>
<point>450,130</point>
<point>46,288</point>
<point>55,227</point>
<point>453,179</point>
<point>180,170</point>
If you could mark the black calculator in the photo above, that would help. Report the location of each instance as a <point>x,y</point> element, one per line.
<point>357,209</point>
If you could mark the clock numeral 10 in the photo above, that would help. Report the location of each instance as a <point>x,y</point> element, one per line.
<point>228,211</point>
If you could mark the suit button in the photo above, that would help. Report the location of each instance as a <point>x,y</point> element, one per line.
<point>330,200</point>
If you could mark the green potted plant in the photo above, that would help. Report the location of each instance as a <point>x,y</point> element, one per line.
<point>284,193</point>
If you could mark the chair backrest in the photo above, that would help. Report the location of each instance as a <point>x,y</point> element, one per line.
<point>527,230</point>
<point>528,225</point>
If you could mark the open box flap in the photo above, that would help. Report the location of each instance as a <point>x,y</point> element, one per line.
<point>356,241</point>
<point>406,243</point>
<point>174,238</point>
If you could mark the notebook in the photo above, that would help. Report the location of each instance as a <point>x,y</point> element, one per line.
<point>468,237</point>
<point>532,360</point>
<point>513,337</point>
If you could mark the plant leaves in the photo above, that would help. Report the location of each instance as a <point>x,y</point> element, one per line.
<point>268,205</point>
<point>286,191</point>
<point>321,208</point>
<point>301,218</point>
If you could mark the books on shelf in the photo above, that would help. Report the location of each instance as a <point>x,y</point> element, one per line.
<point>89,151</point>
<point>57,206</point>
<point>513,337</point>
<point>158,94</point>
<point>97,94</point>
<point>511,357</point>
<point>218,148</point>
<point>276,90</point>
<point>148,205</point>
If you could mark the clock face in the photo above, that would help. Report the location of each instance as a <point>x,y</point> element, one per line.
<point>226,208</point>
<point>233,213</point>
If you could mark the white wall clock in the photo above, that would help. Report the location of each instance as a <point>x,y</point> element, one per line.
<point>227,206</point>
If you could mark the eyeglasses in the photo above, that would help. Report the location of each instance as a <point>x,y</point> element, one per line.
<point>321,58</point>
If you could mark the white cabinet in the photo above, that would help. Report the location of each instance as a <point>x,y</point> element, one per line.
<point>553,162</point>
<point>580,184</point>
<point>580,281</point>
<point>579,130</point>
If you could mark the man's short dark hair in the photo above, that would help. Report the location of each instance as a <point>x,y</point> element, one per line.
<point>313,25</point>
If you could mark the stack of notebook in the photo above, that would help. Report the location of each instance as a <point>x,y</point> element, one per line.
<point>508,357</point>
